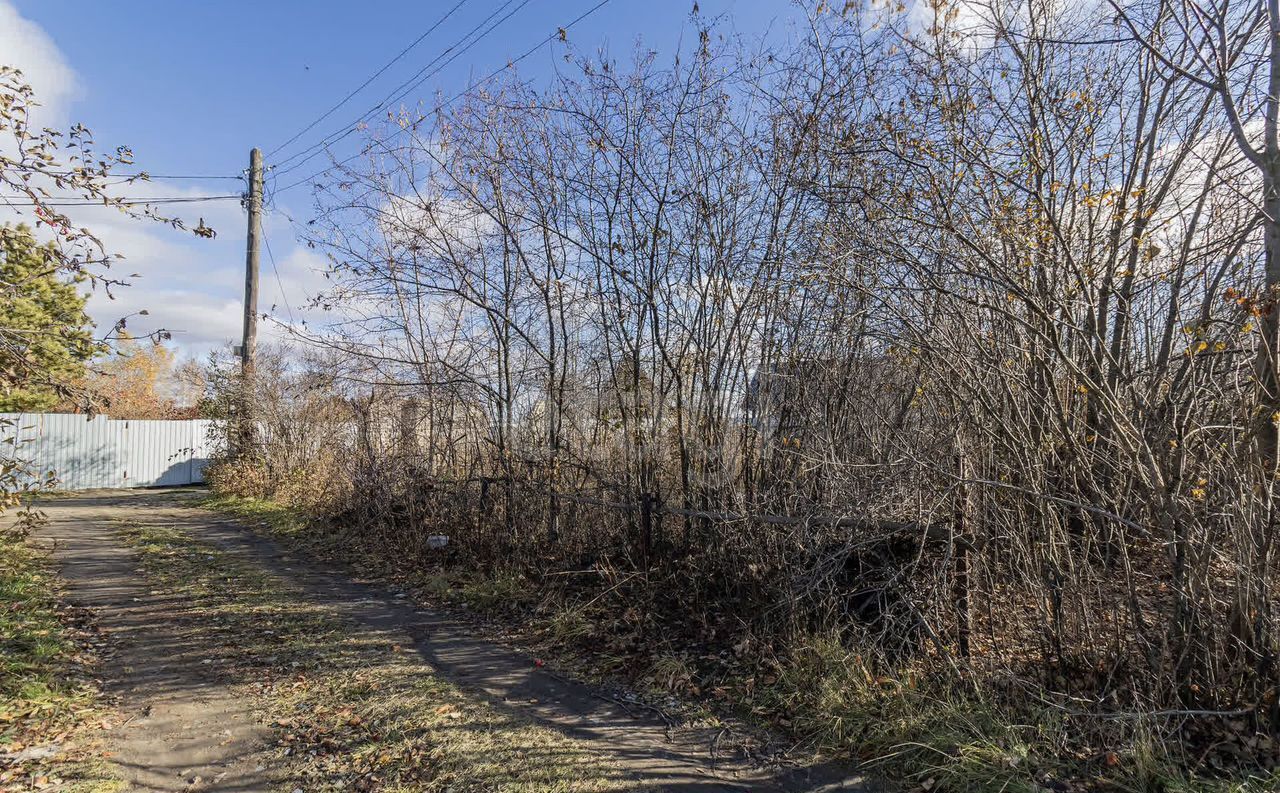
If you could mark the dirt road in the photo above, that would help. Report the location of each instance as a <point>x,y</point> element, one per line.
<point>185,596</point>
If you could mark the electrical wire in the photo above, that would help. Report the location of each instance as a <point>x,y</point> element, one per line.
<point>557,34</point>
<point>366,83</point>
<point>27,201</point>
<point>144,175</point>
<point>279,284</point>
<point>149,176</point>
<point>402,90</point>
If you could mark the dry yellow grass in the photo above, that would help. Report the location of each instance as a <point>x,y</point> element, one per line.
<point>351,709</point>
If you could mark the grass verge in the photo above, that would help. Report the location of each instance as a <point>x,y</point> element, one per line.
<point>50,703</point>
<point>351,709</point>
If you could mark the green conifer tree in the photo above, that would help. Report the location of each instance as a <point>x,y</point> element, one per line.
<point>46,338</point>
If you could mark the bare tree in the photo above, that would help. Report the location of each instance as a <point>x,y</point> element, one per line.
<point>941,335</point>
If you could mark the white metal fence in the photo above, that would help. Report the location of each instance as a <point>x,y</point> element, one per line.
<point>112,453</point>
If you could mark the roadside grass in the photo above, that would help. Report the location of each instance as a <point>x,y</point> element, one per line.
<point>50,704</point>
<point>947,735</point>
<point>351,709</point>
<point>282,520</point>
<point>485,592</point>
<point>918,732</point>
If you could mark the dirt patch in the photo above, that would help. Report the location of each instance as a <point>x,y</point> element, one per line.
<point>178,726</point>
<point>190,702</point>
<point>352,707</point>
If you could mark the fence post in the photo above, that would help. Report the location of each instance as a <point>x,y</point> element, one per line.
<point>409,431</point>
<point>553,515</point>
<point>960,547</point>
<point>646,527</point>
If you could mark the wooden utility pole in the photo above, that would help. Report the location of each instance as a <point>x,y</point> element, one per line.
<point>253,241</point>
<point>244,437</point>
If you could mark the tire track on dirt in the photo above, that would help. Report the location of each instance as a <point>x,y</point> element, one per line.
<point>180,727</point>
<point>656,755</point>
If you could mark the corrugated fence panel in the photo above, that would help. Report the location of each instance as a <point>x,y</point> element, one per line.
<point>110,453</point>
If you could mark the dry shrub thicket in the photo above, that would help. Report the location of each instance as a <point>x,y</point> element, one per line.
<point>945,338</point>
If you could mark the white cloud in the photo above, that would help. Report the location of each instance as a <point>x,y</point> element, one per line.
<point>973,23</point>
<point>194,287</point>
<point>191,286</point>
<point>25,45</point>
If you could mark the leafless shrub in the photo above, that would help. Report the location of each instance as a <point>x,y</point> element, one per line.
<point>943,338</point>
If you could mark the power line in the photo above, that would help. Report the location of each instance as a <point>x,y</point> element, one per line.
<point>147,175</point>
<point>401,90</point>
<point>366,83</point>
<point>144,175</point>
<point>557,34</point>
<point>279,284</point>
<point>25,200</point>
<point>404,88</point>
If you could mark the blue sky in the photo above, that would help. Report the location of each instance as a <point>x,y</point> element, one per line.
<point>192,86</point>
